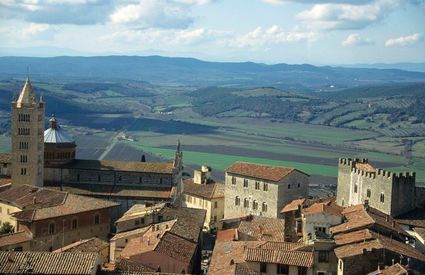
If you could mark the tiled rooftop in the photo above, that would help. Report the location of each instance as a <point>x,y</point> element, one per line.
<point>395,269</point>
<point>260,171</point>
<point>128,166</point>
<point>294,258</point>
<point>324,207</point>
<point>176,247</point>
<point>140,210</point>
<point>293,205</point>
<point>43,203</point>
<point>48,263</point>
<point>207,191</point>
<point>88,245</point>
<point>14,238</point>
<point>262,229</point>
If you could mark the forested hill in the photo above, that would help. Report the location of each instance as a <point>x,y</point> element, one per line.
<point>190,71</point>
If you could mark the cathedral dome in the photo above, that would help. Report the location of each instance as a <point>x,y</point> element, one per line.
<point>55,134</point>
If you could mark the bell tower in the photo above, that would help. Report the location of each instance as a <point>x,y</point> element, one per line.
<point>27,138</point>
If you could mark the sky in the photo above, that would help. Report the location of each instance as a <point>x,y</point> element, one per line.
<point>268,31</point>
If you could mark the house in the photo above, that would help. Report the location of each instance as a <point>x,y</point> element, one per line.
<point>291,213</point>
<point>204,193</point>
<point>54,218</point>
<point>17,241</point>
<point>169,239</point>
<point>92,245</point>
<point>261,189</point>
<point>37,262</point>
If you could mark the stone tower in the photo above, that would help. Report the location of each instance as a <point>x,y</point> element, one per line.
<point>27,138</point>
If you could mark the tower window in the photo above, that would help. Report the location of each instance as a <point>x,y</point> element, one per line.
<point>23,171</point>
<point>264,207</point>
<point>382,198</point>
<point>237,200</point>
<point>368,193</point>
<point>254,205</point>
<point>355,188</point>
<point>24,158</point>
<point>245,203</point>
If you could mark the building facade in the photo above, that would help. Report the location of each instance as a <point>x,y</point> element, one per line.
<point>391,193</point>
<point>261,189</point>
<point>27,138</point>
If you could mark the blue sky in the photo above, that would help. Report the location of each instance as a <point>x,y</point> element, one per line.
<point>270,31</point>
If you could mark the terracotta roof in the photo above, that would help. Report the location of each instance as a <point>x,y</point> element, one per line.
<point>359,217</point>
<point>379,242</point>
<point>42,203</point>
<point>328,208</point>
<point>14,238</point>
<point>353,237</point>
<point>5,158</point>
<point>88,245</point>
<point>228,235</point>
<point>190,221</point>
<point>227,254</point>
<point>208,191</point>
<point>260,171</point>
<point>107,190</point>
<point>293,205</point>
<point>128,166</point>
<point>176,247</point>
<point>128,267</point>
<point>395,269</point>
<point>284,246</point>
<point>294,258</point>
<point>365,167</point>
<point>261,229</point>
<point>49,263</point>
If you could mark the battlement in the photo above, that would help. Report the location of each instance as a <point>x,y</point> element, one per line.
<point>352,162</point>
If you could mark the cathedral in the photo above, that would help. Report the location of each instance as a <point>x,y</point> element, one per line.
<point>47,158</point>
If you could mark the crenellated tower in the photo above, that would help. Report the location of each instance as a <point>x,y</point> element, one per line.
<point>27,138</point>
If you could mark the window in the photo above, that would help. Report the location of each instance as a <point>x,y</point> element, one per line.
<point>323,256</point>
<point>382,198</point>
<point>142,220</point>
<point>23,145</point>
<point>299,185</point>
<point>233,180</point>
<point>215,204</point>
<point>254,205</point>
<point>282,269</point>
<point>96,219</point>
<point>318,229</point>
<point>74,224</point>
<point>368,193</point>
<point>245,203</point>
<point>140,179</point>
<point>245,183</point>
<point>263,267</point>
<point>24,158</point>
<point>98,177</point>
<point>215,219</point>
<point>23,171</point>
<point>355,188</point>
<point>257,185</point>
<point>289,186</point>
<point>302,270</point>
<point>51,228</point>
<point>78,177</point>
<point>264,207</point>
<point>237,201</point>
<point>265,187</point>
<point>136,222</point>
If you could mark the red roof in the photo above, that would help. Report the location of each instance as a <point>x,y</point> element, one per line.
<point>260,171</point>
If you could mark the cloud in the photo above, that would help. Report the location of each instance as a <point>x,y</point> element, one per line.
<point>355,39</point>
<point>262,38</point>
<point>34,29</point>
<point>404,40</point>
<point>347,16</point>
<point>353,2</point>
<point>145,13</point>
<point>153,14</point>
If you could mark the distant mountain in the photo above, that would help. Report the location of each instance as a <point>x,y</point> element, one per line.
<point>190,71</point>
<point>414,67</point>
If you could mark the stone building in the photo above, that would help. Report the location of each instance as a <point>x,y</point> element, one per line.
<point>27,138</point>
<point>391,193</point>
<point>53,218</point>
<point>204,193</point>
<point>261,189</point>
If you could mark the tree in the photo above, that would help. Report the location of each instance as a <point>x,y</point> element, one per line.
<point>6,228</point>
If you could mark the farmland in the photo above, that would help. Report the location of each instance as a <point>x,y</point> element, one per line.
<point>308,131</point>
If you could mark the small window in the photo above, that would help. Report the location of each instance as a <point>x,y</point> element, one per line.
<point>245,203</point>
<point>245,183</point>
<point>368,193</point>
<point>78,177</point>
<point>289,186</point>
<point>257,185</point>
<point>74,224</point>
<point>265,187</point>
<point>51,228</point>
<point>299,185</point>
<point>254,205</point>
<point>233,180</point>
<point>264,207</point>
<point>237,200</point>
<point>355,188</point>
<point>263,267</point>
<point>302,270</point>
<point>323,256</point>
<point>382,198</point>
<point>136,222</point>
<point>282,269</point>
<point>142,220</point>
<point>98,178</point>
<point>215,204</point>
<point>96,219</point>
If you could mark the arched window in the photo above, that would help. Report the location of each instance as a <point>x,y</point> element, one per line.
<point>254,205</point>
<point>245,203</point>
<point>237,200</point>
<point>264,207</point>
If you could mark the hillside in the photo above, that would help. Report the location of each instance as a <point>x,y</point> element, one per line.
<point>190,71</point>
